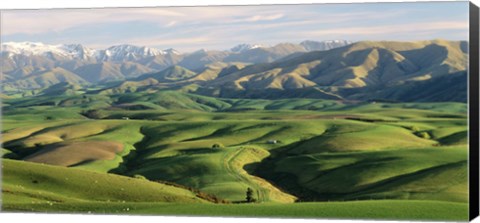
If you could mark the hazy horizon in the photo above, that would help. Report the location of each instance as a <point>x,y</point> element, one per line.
<point>225,49</point>
<point>188,29</point>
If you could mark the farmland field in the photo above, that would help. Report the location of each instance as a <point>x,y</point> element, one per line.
<point>333,160</point>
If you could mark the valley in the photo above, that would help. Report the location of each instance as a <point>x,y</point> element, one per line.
<point>367,130</point>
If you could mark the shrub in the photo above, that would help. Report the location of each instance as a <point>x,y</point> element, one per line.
<point>217,146</point>
<point>424,135</point>
<point>93,114</point>
<point>138,176</point>
<point>198,193</point>
<point>414,128</point>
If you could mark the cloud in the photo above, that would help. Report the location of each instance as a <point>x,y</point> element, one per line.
<point>392,29</point>
<point>37,21</point>
<point>225,26</point>
<point>257,18</point>
<point>171,24</point>
<point>162,42</point>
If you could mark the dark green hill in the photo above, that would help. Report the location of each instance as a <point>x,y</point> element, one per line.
<point>24,182</point>
<point>445,88</point>
<point>62,88</point>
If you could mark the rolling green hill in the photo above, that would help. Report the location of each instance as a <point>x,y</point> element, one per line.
<point>27,183</point>
<point>289,151</point>
<point>444,88</point>
<point>62,88</point>
<point>128,94</point>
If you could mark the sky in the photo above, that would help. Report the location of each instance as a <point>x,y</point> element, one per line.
<point>222,27</point>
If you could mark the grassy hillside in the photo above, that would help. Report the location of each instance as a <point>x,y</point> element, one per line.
<point>400,174</point>
<point>380,210</point>
<point>124,97</point>
<point>62,88</point>
<point>296,155</point>
<point>26,183</point>
<point>29,187</point>
<point>93,145</point>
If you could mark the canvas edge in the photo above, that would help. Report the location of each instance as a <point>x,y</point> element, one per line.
<point>473,111</point>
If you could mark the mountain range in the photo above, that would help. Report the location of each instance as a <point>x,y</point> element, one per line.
<point>124,52</point>
<point>387,71</point>
<point>23,62</point>
<point>338,70</point>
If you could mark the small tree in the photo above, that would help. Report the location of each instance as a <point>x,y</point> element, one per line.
<point>414,128</point>
<point>138,176</point>
<point>93,114</point>
<point>424,135</point>
<point>249,197</point>
<point>216,146</point>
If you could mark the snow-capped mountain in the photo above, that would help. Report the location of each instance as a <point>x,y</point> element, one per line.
<point>244,47</point>
<point>308,45</point>
<point>64,51</point>
<point>311,45</point>
<point>127,52</point>
<point>23,60</point>
<point>118,53</point>
<point>78,51</point>
<point>171,51</point>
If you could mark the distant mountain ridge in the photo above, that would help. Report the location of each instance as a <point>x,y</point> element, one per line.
<point>128,52</point>
<point>244,47</point>
<point>23,59</point>
<point>367,70</point>
<point>124,52</point>
<point>392,71</point>
<point>310,45</point>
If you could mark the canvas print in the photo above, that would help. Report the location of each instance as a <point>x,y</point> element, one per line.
<point>338,111</point>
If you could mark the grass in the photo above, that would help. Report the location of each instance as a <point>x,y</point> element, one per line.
<point>428,173</point>
<point>382,209</point>
<point>53,144</point>
<point>43,188</point>
<point>27,182</point>
<point>71,154</point>
<point>174,100</point>
<point>326,151</point>
<point>30,187</point>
